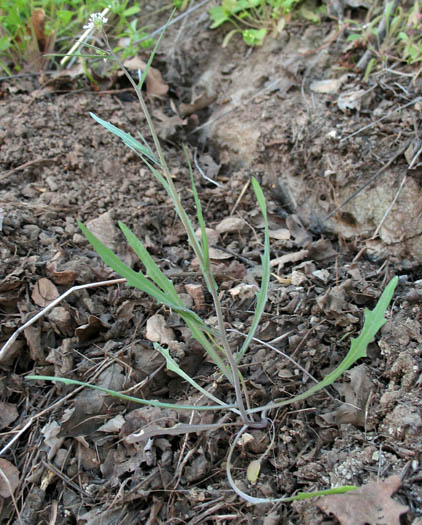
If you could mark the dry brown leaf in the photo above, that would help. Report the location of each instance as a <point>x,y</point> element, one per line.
<point>33,338</point>
<point>300,234</point>
<point>8,414</point>
<point>167,126</point>
<point>40,43</point>
<point>38,24</point>
<point>104,229</point>
<point>93,408</point>
<point>154,82</point>
<point>125,310</point>
<point>218,255</point>
<point>61,320</point>
<point>198,469</point>
<point>9,478</point>
<point>147,418</point>
<point>282,234</point>
<point>60,277</point>
<point>244,291</point>
<point>197,294</point>
<point>356,394</point>
<point>89,331</point>
<point>62,358</point>
<point>44,292</point>
<point>113,425</point>
<point>209,166</point>
<point>322,250</point>
<point>212,235</point>
<point>230,225</point>
<point>203,101</point>
<point>146,358</point>
<point>157,330</point>
<point>50,432</point>
<point>369,505</point>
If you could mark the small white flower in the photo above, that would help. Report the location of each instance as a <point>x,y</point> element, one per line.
<point>96,20</point>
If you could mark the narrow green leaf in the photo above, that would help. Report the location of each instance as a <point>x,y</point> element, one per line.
<point>374,320</point>
<point>153,270</point>
<point>202,335</point>
<point>265,278</point>
<point>327,492</point>
<point>132,143</point>
<point>153,52</point>
<point>199,214</point>
<point>150,402</point>
<point>136,279</point>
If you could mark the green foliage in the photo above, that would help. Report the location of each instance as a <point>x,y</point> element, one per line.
<point>402,40</point>
<point>180,4</point>
<point>374,320</point>
<point>64,20</point>
<point>255,19</point>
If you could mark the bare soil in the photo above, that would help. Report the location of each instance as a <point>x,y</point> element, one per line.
<point>246,112</point>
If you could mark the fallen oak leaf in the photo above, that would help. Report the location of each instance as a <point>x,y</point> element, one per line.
<point>370,504</point>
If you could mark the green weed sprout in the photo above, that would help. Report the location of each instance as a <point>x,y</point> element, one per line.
<point>392,35</point>
<point>62,22</point>
<point>255,19</point>
<point>214,341</point>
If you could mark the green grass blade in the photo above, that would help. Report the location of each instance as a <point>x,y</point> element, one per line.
<point>150,402</point>
<point>327,492</point>
<point>154,51</point>
<point>265,278</point>
<point>199,214</point>
<point>374,320</point>
<point>132,143</point>
<point>137,279</point>
<point>153,270</point>
<point>183,216</point>
<point>174,367</point>
<point>205,262</point>
<point>202,337</point>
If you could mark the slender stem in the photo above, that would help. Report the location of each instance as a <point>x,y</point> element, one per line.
<point>195,245</point>
<point>232,362</point>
